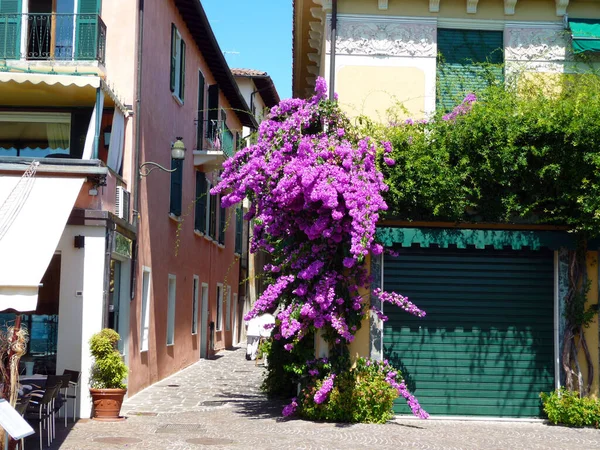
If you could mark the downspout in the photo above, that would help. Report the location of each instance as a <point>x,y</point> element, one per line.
<point>332,52</point>
<point>137,147</point>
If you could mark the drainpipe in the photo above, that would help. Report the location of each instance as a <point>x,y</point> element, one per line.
<point>137,146</point>
<point>332,54</point>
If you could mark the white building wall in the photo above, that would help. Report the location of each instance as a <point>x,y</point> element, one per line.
<point>80,304</point>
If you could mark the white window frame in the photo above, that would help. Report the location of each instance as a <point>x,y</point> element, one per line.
<point>145,313</point>
<point>195,294</point>
<point>228,309</point>
<point>219,311</point>
<point>178,68</point>
<point>172,300</point>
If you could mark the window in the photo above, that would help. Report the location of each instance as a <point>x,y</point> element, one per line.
<point>145,317</point>
<point>468,61</point>
<point>35,135</point>
<point>212,217</point>
<point>200,208</point>
<point>176,187</point>
<point>177,64</point>
<point>213,111</point>
<point>222,221</point>
<point>171,310</point>
<point>195,305</point>
<point>219,320</point>
<point>200,118</point>
<point>239,230</point>
<point>228,310</point>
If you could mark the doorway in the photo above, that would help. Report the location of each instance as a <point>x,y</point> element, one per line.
<point>204,322</point>
<point>50,29</point>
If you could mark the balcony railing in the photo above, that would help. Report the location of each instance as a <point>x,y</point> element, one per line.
<point>216,137</point>
<point>60,37</point>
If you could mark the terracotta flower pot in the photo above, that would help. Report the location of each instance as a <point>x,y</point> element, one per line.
<point>107,403</point>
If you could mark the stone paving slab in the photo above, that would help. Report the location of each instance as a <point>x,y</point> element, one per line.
<point>217,404</point>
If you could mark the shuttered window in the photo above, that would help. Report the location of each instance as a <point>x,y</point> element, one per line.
<point>468,61</point>
<point>176,187</point>
<point>213,111</point>
<point>200,117</point>
<point>177,77</point>
<point>87,29</point>
<point>239,230</point>
<point>201,203</point>
<point>222,222</point>
<point>10,29</point>
<point>212,215</point>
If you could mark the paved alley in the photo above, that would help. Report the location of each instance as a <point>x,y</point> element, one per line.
<point>217,404</point>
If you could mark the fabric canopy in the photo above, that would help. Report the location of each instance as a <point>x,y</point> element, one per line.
<point>33,215</point>
<point>586,35</point>
<point>479,239</point>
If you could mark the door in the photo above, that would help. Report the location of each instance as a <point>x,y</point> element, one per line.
<point>485,347</point>
<point>10,29</point>
<point>204,322</point>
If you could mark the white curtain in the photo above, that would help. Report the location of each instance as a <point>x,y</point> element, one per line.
<point>117,138</point>
<point>58,135</point>
<point>88,148</point>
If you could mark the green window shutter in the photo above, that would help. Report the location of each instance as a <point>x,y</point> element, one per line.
<point>200,127</point>
<point>239,229</point>
<point>176,187</point>
<point>182,72</point>
<point>173,55</point>
<point>201,199</point>
<point>10,29</point>
<point>212,220</point>
<point>468,61</point>
<point>213,111</point>
<point>222,222</point>
<point>87,29</point>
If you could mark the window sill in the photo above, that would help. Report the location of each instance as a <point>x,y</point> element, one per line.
<point>221,246</point>
<point>199,233</point>
<point>177,99</point>
<point>175,218</point>
<point>239,255</point>
<point>171,345</point>
<point>208,238</point>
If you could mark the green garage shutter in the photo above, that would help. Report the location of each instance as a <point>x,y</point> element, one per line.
<point>468,61</point>
<point>485,347</point>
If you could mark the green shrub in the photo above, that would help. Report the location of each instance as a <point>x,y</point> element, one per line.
<point>359,395</point>
<point>568,408</point>
<point>108,371</point>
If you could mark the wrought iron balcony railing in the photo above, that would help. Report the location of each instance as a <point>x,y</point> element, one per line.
<point>61,37</point>
<point>215,136</point>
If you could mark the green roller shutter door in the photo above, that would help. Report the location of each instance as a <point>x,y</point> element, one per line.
<point>485,347</point>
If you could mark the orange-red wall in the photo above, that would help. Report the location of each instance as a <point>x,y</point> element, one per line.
<point>168,246</point>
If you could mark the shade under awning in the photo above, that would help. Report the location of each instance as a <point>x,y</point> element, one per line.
<point>586,35</point>
<point>33,215</point>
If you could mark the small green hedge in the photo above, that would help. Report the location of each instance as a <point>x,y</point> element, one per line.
<point>568,408</point>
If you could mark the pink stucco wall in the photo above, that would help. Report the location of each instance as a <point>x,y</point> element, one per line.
<point>168,246</point>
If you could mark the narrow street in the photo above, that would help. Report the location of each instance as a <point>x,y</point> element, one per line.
<point>217,404</point>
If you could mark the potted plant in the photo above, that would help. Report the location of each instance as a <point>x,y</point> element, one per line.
<point>108,373</point>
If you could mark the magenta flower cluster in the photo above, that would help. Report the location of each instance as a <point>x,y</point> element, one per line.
<point>315,195</point>
<point>326,387</point>
<point>412,402</point>
<point>463,108</point>
<point>289,410</point>
<point>398,300</point>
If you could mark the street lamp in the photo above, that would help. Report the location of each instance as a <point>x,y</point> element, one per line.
<point>177,152</point>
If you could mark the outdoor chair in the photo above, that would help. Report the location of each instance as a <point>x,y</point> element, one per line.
<point>40,410</point>
<point>54,380</point>
<point>21,408</point>
<point>65,379</point>
<point>74,384</point>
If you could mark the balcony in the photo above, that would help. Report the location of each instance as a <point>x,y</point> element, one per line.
<point>215,143</point>
<point>52,37</point>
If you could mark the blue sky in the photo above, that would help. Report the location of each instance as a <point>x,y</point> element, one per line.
<point>255,34</point>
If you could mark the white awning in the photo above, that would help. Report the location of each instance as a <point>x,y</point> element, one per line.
<point>33,215</point>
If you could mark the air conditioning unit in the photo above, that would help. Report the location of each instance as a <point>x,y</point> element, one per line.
<point>122,203</point>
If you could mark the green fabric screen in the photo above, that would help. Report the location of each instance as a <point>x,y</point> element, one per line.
<point>586,35</point>
<point>485,347</point>
<point>466,60</point>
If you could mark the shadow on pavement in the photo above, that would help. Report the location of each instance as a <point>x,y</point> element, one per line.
<point>253,406</point>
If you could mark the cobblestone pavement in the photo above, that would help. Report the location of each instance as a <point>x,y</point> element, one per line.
<point>217,404</point>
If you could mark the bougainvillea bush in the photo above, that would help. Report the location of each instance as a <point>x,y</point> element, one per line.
<point>315,197</point>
